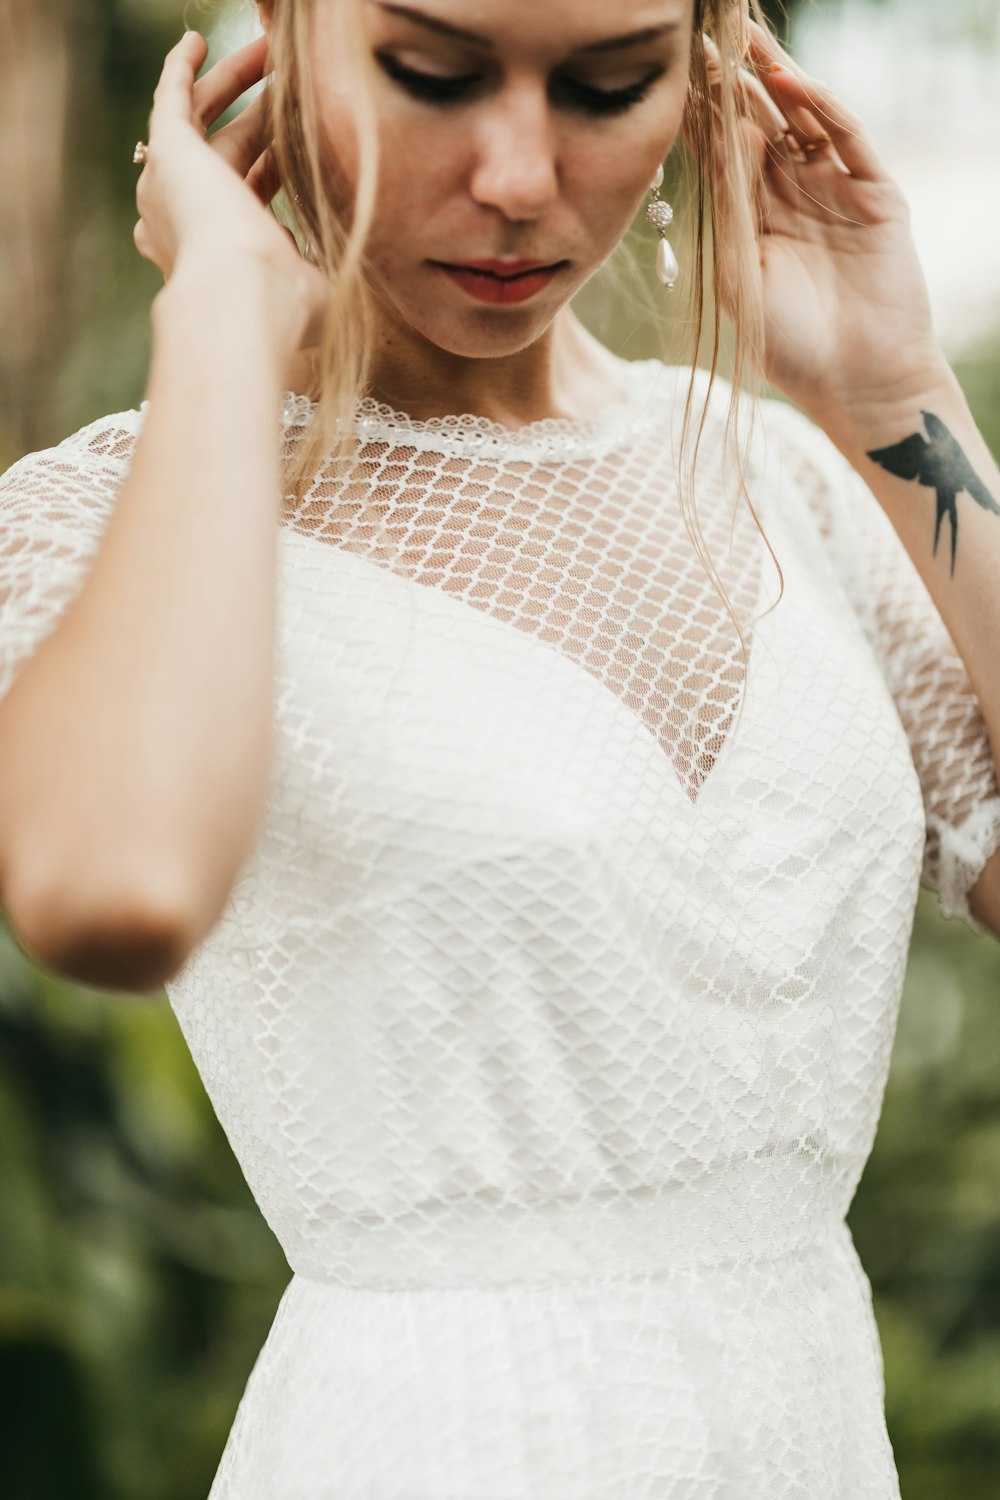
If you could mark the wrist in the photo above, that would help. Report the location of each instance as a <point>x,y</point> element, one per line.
<point>870,419</point>
<point>225,305</point>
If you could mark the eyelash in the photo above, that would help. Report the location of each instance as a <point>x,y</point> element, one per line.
<point>451,90</point>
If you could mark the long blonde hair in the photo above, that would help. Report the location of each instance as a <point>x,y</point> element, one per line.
<point>710,207</point>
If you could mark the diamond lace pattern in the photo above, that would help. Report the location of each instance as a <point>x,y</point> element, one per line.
<point>551,1014</point>
<point>563,531</point>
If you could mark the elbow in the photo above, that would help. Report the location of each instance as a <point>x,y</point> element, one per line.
<point>984,898</point>
<point>131,945</point>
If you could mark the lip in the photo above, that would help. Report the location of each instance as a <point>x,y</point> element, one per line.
<point>486,285</point>
<point>500,267</point>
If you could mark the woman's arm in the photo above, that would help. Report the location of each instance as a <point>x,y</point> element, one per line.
<point>923,457</point>
<point>135,744</point>
<point>850,339</point>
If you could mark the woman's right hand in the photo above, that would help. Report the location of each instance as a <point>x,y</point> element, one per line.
<point>205,201</point>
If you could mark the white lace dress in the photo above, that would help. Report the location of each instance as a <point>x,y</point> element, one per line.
<point>550,1017</point>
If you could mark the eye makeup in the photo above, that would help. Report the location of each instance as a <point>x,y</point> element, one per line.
<point>443,90</point>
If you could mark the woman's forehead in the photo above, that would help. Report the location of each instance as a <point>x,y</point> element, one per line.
<point>561,26</point>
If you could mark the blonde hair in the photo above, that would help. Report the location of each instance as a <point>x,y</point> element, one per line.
<point>717,212</point>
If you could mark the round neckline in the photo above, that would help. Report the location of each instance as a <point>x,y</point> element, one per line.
<point>465,432</point>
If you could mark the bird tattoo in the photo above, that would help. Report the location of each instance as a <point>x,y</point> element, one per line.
<point>941,465</point>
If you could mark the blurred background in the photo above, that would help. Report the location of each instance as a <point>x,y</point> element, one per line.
<point>137,1278</point>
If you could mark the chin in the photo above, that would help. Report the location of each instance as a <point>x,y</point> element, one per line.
<point>478,330</point>
<point>482,337</point>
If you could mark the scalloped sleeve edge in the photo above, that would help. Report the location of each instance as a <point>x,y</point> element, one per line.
<point>963,854</point>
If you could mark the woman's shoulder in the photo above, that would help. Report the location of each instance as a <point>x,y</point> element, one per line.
<point>785,456</point>
<point>781,424</point>
<point>78,471</point>
<point>56,502</point>
<point>810,468</point>
<point>791,433</point>
<point>785,447</point>
<point>107,439</point>
<point>776,436</point>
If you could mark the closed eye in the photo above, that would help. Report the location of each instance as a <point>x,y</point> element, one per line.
<point>437,89</point>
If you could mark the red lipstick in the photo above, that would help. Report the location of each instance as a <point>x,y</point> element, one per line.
<point>501,282</point>
<point>502,267</point>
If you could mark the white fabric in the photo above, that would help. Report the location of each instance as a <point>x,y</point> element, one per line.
<point>551,1015</point>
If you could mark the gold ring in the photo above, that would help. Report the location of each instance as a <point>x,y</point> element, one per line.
<point>811,147</point>
<point>780,139</point>
<point>140,153</point>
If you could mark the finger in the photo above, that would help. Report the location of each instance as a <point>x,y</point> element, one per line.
<point>143,243</point>
<point>821,134</point>
<point>754,98</point>
<point>241,142</point>
<point>229,79</point>
<point>172,95</point>
<point>791,126</point>
<point>263,177</point>
<point>807,134</point>
<point>794,91</point>
<point>755,103</point>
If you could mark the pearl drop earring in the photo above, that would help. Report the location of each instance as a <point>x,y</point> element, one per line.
<point>661,215</point>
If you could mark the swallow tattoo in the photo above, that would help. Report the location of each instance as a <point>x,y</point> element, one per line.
<point>941,465</point>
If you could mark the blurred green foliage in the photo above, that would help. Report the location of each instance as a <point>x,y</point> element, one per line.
<point>137,1277</point>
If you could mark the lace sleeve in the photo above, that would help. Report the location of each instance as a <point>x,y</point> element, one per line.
<point>921,666</point>
<point>54,508</point>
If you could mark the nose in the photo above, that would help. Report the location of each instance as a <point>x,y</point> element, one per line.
<point>516,154</point>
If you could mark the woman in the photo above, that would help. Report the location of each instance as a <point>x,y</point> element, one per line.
<point>530,862</point>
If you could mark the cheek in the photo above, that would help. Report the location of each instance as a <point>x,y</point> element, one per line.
<point>336,100</point>
<point>423,162</point>
<point>414,155</point>
<point>615,175</point>
<point>670,114</point>
<point>338,143</point>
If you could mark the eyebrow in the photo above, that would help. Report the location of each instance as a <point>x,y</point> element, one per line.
<point>445,28</point>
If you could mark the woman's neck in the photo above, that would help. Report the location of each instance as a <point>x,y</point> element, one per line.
<point>564,374</point>
<point>575,378</point>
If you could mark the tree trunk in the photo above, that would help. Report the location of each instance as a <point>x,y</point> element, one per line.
<point>34,101</point>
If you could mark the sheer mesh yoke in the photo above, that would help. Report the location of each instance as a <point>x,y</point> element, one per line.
<point>567,538</point>
<point>551,1014</point>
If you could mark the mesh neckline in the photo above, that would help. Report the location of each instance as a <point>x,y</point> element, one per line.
<point>552,437</point>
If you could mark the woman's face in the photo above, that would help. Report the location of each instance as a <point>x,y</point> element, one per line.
<point>533,132</point>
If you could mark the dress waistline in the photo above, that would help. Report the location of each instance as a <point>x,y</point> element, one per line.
<point>766,1208</point>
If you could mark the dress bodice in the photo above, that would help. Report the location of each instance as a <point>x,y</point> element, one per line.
<point>551,1012</point>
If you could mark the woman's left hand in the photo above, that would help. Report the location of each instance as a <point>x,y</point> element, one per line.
<point>847,315</point>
